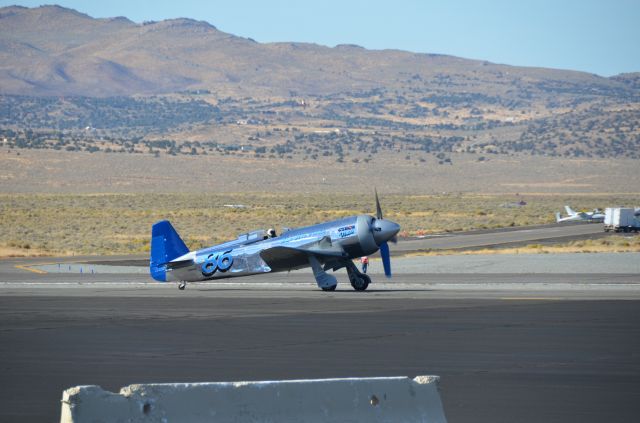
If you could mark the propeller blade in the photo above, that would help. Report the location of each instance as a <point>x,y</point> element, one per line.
<point>378,209</point>
<point>386,259</point>
<point>394,239</point>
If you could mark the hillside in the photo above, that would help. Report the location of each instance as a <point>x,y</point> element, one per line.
<point>69,81</point>
<point>51,50</point>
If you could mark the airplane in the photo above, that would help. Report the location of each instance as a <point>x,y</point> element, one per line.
<point>574,216</point>
<point>325,246</point>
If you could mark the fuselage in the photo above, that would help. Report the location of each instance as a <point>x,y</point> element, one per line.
<point>342,239</point>
<point>582,217</point>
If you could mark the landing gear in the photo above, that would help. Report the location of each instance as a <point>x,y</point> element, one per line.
<point>359,281</point>
<point>325,281</point>
<point>182,286</point>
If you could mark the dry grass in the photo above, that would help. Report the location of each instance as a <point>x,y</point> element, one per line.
<point>34,224</point>
<point>22,252</point>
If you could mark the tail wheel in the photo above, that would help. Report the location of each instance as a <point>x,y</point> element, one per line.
<point>330,288</point>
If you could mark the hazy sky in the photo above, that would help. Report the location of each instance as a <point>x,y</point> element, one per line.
<point>598,36</point>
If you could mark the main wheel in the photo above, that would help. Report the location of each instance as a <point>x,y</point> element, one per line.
<point>330,288</point>
<point>361,282</point>
<point>182,286</point>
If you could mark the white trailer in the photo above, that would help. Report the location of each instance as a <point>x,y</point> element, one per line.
<point>621,219</point>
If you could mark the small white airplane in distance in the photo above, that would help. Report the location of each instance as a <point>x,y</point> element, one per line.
<point>573,216</point>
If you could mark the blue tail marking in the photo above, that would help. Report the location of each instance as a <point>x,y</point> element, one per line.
<point>166,245</point>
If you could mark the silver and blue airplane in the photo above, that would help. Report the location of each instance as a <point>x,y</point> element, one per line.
<point>325,246</point>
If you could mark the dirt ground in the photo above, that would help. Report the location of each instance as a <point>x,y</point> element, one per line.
<point>79,172</point>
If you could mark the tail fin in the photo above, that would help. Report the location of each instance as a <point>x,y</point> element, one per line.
<point>166,245</point>
<point>570,211</point>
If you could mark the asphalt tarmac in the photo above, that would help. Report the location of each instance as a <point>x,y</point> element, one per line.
<point>514,237</point>
<point>559,343</point>
<point>502,360</point>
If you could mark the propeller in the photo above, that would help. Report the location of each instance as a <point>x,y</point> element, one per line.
<point>386,259</point>
<point>383,231</point>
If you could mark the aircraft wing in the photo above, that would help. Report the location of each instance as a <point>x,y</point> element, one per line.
<point>282,258</point>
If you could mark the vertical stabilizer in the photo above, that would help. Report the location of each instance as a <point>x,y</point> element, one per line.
<point>166,245</point>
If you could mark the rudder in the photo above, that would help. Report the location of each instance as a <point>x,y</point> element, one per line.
<point>166,245</point>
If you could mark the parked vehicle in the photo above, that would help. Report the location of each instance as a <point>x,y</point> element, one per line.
<point>621,219</point>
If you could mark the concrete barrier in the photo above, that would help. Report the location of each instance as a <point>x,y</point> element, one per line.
<point>384,399</point>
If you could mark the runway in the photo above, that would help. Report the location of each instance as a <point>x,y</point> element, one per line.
<point>552,338</point>
<point>500,360</point>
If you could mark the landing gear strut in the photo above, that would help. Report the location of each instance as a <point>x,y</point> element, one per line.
<point>359,281</point>
<point>325,281</point>
<point>182,286</point>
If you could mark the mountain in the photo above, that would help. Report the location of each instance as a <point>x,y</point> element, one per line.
<point>181,86</point>
<point>51,50</point>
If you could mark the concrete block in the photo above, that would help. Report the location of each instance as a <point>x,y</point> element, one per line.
<point>383,399</point>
